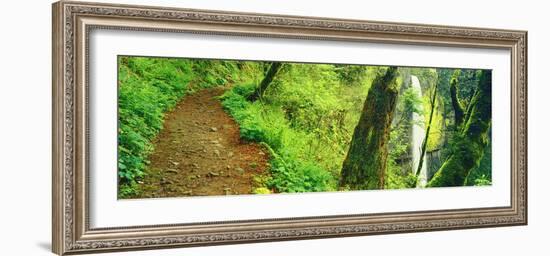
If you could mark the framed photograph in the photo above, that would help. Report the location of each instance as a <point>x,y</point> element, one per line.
<point>178,127</point>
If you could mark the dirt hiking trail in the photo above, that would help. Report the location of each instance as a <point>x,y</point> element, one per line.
<point>199,152</point>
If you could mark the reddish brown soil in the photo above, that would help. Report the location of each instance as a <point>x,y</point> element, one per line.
<point>199,152</point>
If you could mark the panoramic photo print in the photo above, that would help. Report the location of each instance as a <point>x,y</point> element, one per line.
<point>205,127</point>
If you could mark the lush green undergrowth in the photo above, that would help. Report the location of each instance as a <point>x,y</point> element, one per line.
<point>290,170</point>
<point>306,116</point>
<point>306,119</point>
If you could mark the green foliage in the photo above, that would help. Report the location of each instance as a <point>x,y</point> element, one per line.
<point>352,75</point>
<point>409,102</point>
<point>396,175</point>
<point>308,115</point>
<point>428,78</point>
<point>305,118</point>
<point>212,73</point>
<point>267,124</point>
<point>436,130</point>
<point>481,175</point>
<point>399,175</point>
<point>470,144</point>
<point>466,156</point>
<point>147,88</point>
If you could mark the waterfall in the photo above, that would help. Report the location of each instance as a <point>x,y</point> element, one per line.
<point>417,136</point>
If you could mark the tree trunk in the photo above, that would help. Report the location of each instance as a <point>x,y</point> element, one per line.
<point>259,92</point>
<point>472,140</point>
<point>365,163</point>
<point>458,109</point>
<point>470,106</point>
<point>425,141</point>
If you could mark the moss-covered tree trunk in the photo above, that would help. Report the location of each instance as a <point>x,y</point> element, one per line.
<point>472,140</point>
<point>365,163</point>
<point>271,73</point>
<point>457,106</point>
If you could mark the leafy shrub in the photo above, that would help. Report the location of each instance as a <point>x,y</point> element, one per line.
<point>290,172</point>
<point>481,175</point>
<point>351,75</point>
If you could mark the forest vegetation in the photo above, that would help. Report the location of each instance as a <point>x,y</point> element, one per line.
<point>321,127</point>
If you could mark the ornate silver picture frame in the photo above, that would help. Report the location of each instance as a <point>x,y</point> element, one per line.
<point>72,24</point>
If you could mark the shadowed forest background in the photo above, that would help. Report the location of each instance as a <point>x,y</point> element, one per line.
<point>191,127</point>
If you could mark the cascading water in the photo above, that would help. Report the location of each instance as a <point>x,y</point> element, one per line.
<point>418,133</point>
